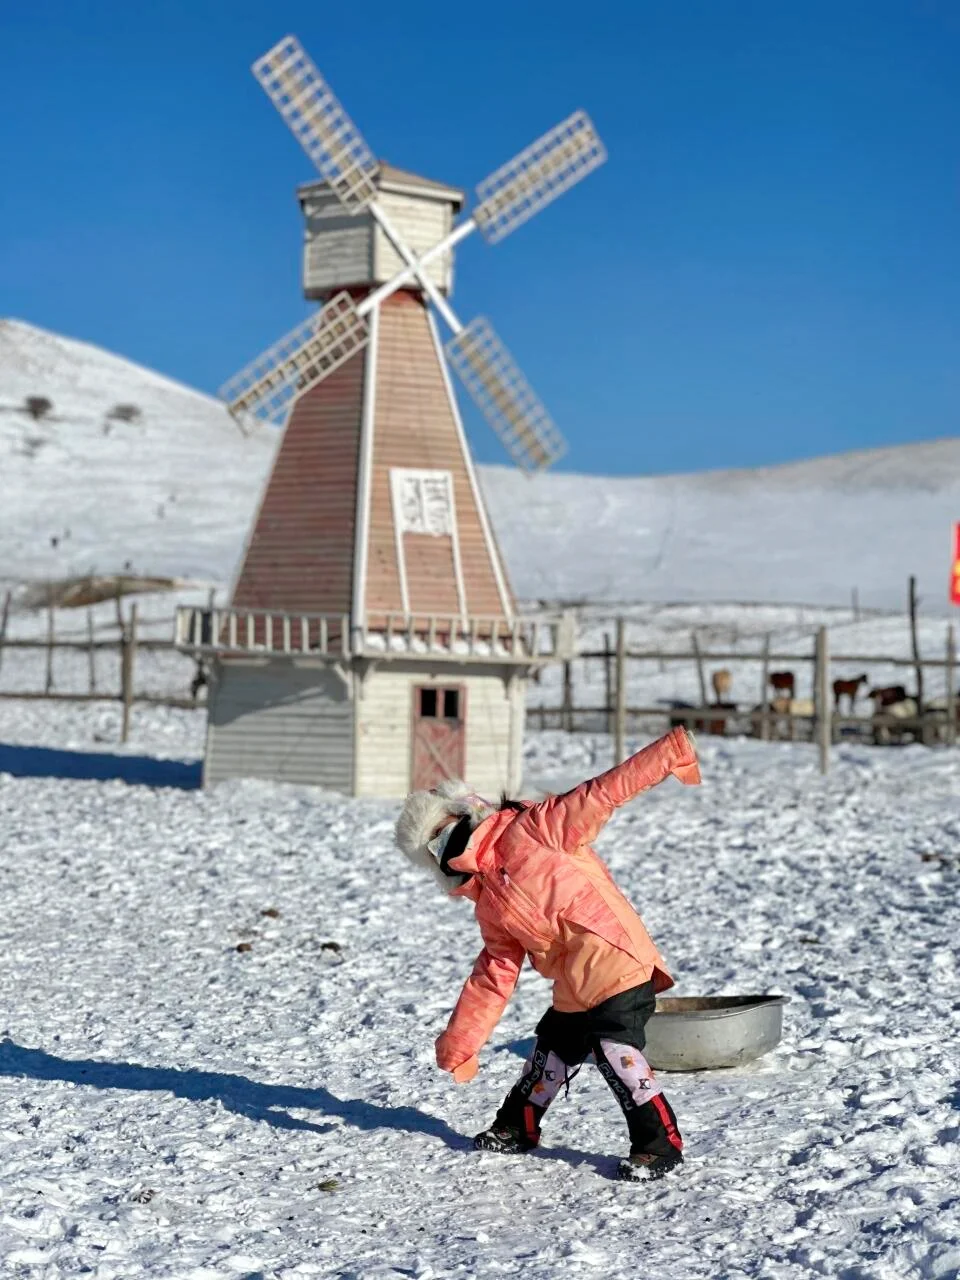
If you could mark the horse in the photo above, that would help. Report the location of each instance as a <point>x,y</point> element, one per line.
<point>784,683</point>
<point>848,688</point>
<point>722,681</point>
<point>887,696</point>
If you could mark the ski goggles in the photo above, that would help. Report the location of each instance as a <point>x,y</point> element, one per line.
<point>439,842</point>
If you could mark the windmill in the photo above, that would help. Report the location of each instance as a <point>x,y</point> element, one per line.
<point>372,642</point>
<point>505,200</point>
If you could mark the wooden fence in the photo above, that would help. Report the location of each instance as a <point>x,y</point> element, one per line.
<point>934,721</point>
<point>125,637</point>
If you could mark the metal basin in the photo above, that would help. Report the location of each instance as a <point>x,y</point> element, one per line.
<point>696,1033</point>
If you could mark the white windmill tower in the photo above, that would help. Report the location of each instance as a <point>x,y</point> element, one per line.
<point>372,642</point>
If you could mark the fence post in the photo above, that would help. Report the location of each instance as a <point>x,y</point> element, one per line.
<point>764,681</point>
<point>915,644</point>
<point>951,692</point>
<point>48,686</point>
<point>128,648</point>
<point>91,655</point>
<point>620,718</point>
<point>608,680</point>
<point>567,712</point>
<point>822,695</point>
<point>700,673</point>
<point>3,622</point>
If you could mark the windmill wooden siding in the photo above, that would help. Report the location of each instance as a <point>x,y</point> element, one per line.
<point>414,426</point>
<point>300,554</point>
<point>280,720</point>
<point>494,728</point>
<point>301,723</point>
<point>421,223</point>
<point>351,249</point>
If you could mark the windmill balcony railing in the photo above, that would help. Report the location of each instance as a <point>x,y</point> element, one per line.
<point>384,636</point>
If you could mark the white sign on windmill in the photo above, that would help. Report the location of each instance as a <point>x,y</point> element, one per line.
<point>268,386</point>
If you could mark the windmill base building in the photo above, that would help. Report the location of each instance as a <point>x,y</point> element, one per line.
<point>372,643</point>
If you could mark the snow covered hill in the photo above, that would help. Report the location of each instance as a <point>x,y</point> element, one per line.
<point>173,493</point>
<point>168,493</point>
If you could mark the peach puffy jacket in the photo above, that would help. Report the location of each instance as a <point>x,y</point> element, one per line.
<point>541,891</point>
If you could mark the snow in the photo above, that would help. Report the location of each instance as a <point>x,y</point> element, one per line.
<point>174,494</point>
<point>195,1084</point>
<point>175,1107</point>
<point>170,494</point>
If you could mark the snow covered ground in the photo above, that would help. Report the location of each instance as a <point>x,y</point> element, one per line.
<point>173,1106</point>
<point>174,493</point>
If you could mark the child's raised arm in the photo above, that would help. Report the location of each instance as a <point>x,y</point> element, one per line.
<point>566,821</point>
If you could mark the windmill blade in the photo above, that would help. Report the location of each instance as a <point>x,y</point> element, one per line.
<point>528,182</point>
<point>301,359</point>
<point>318,122</point>
<point>504,396</point>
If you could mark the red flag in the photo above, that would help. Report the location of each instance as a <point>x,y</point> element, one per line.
<point>955,571</point>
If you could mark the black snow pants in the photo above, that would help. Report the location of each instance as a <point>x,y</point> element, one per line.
<point>614,1033</point>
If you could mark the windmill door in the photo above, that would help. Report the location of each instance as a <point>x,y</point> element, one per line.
<point>439,734</point>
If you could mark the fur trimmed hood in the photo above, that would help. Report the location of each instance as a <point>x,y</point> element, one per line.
<point>424,811</point>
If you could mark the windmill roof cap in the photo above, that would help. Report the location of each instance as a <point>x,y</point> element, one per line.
<point>390,178</point>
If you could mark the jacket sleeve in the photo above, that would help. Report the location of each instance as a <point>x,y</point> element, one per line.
<point>564,822</point>
<point>482,1000</point>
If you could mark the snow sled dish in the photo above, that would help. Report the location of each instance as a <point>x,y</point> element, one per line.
<point>696,1033</point>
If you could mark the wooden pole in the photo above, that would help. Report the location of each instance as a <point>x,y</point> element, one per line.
<point>856,604</point>
<point>608,680</point>
<point>91,652</point>
<point>822,695</point>
<point>4,615</point>
<point>951,691</point>
<point>915,644</point>
<point>620,717</point>
<point>698,656</point>
<point>764,680</point>
<point>127,654</point>
<point>567,713</point>
<point>48,686</point>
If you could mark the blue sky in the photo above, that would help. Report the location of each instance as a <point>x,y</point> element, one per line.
<point>767,267</point>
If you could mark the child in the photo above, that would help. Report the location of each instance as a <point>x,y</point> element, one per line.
<point>541,891</point>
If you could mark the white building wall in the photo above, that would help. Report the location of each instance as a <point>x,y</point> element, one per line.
<point>280,720</point>
<point>343,249</point>
<point>338,248</point>
<point>384,727</point>
<point>422,223</point>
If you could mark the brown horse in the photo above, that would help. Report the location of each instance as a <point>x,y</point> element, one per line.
<point>848,689</point>
<point>784,683</point>
<point>887,696</point>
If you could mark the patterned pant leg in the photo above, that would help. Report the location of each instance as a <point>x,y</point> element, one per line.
<point>650,1118</point>
<point>543,1077</point>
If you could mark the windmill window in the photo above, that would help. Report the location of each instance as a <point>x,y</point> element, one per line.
<point>451,704</point>
<point>437,704</point>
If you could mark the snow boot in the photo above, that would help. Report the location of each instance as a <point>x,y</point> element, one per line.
<point>503,1139</point>
<point>644,1166</point>
<point>515,1128</point>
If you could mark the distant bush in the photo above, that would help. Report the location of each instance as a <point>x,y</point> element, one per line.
<point>37,406</point>
<point>125,413</point>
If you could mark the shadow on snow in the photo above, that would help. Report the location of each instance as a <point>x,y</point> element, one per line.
<point>245,1097</point>
<point>97,766</point>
